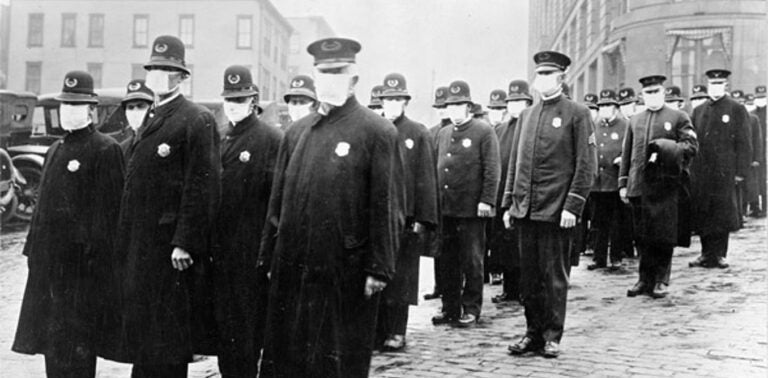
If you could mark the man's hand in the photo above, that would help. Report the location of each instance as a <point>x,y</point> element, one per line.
<point>507,218</point>
<point>567,219</point>
<point>617,161</point>
<point>484,210</point>
<point>623,195</point>
<point>738,179</point>
<point>373,286</point>
<point>180,259</point>
<point>417,228</point>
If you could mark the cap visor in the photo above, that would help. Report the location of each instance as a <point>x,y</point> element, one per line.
<point>138,96</point>
<point>73,97</point>
<point>331,65</point>
<point>235,94</point>
<point>166,64</point>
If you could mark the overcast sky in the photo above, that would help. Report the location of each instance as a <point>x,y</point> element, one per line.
<point>431,42</point>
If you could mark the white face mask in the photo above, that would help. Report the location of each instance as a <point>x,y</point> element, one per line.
<point>74,117</point>
<point>237,112</point>
<point>628,110</point>
<point>159,82</point>
<point>135,117</point>
<point>495,116</point>
<point>547,85</point>
<point>457,113</point>
<point>297,112</point>
<point>333,89</point>
<point>697,102</point>
<point>594,114</point>
<point>760,102</point>
<point>442,113</point>
<point>392,108</point>
<point>716,90</point>
<point>514,108</point>
<point>654,101</point>
<point>606,112</point>
<point>750,107</point>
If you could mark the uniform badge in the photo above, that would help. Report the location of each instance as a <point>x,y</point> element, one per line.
<point>667,126</point>
<point>409,143</point>
<point>70,82</point>
<point>557,122</point>
<point>342,149</point>
<point>73,166</point>
<point>245,156</point>
<point>615,136</point>
<point>134,87</point>
<point>466,142</point>
<point>163,150</point>
<point>726,118</point>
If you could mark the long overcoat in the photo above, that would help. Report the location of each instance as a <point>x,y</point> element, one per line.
<point>170,196</point>
<point>335,217</point>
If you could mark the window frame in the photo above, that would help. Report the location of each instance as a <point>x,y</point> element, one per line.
<point>40,32</point>
<point>241,18</point>
<point>145,42</point>
<point>188,42</point>
<point>91,18</point>
<point>64,18</point>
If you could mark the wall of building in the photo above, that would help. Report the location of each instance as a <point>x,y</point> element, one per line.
<point>306,31</point>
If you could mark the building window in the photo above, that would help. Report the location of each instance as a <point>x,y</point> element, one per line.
<point>140,30</point>
<point>244,32</point>
<point>187,29</point>
<point>265,84</point>
<point>68,29</point>
<point>35,30</point>
<point>267,49</point>
<point>690,52</point>
<point>96,71</point>
<point>96,30</point>
<point>34,74</point>
<point>187,87</point>
<point>138,71</point>
<point>274,87</point>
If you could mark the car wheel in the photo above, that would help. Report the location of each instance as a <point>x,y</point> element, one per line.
<point>28,192</point>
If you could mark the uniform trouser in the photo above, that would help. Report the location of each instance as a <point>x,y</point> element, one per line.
<point>439,269</point>
<point>70,366</point>
<point>626,239</point>
<point>159,371</point>
<point>393,319</point>
<point>758,206</point>
<point>714,246</point>
<point>462,253</point>
<point>605,222</point>
<point>545,250</point>
<point>655,263</point>
<point>512,281</point>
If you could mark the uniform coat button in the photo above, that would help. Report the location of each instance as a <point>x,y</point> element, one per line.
<point>448,154</point>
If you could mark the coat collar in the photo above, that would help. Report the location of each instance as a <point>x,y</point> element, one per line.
<point>240,128</point>
<point>340,112</point>
<point>553,100</point>
<point>78,135</point>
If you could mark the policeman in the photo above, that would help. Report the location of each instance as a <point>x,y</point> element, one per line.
<point>248,154</point>
<point>468,178</point>
<point>604,196</point>
<point>170,195</point>
<point>760,101</point>
<point>723,164</point>
<point>301,98</point>
<point>496,107</point>
<point>550,174</point>
<point>673,97</point>
<point>375,102</point>
<point>698,96</point>
<point>421,209</point>
<point>627,101</point>
<point>590,101</point>
<point>496,114</point>
<point>67,313</point>
<point>749,102</point>
<point>333,228</point>
<point>658,203</point>
<point>504,242</point>
<point>136,103</point>
<point>750,189</point>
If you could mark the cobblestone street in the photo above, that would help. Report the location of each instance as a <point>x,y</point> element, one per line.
<point>713,324</point>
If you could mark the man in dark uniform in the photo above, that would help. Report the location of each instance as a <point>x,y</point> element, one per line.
<point>497,107</point>
<point>333,228</point>
<point>750,188</point>
<point>169,201</point>
<point>421,212</point>
<point>375,102</point>
<point>673,97</point>
<point>301,98</point>
<point>627,101</point>
<point>439,272</point>
<point>725,153</point>
<point>248,154</point>
<point>503,242</point>
<point>760,101</point>
<point>71,287</point>
<point>584,235</point>
<point>548,181</point>
<point>590,101</point>
<point>699,96</point>
<point>604,197</point>
<point>659,206</point>
<point>468,178</point>
<point>136,103</point>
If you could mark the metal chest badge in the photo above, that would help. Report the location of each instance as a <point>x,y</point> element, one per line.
<point>163,150</point>
<point>73,166</point>
<point>667,126</point>
<point>726,118</point>
<point>615,136</point>
<point>342,149</point>
<point>466,142</point>
<point>245,156</point>
<point>409,143</point>
<point>557,122</point>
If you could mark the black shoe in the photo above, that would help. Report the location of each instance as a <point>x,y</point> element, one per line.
<point>551,350</point>
<point>503,297</point>
<point>430,296</point>
<point>394,343</point>
<point>496,279</point>
<point>465,321</point>
<point>720,263</point>
<point>525,345</point>
<point>658,291</point>
<point>638,289</point>
<point>442,318</point>
<point>700,262</point>
<point>615,266</point>
<point>594,266</point>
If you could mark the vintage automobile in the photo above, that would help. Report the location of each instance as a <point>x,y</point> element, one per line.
<point>8,187</point>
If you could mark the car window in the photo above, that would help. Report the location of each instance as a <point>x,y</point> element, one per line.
<point>38,121</point>
<point>20,113</point>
